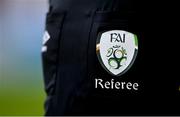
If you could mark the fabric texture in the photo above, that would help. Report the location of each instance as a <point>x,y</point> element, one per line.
<point>70,63</point>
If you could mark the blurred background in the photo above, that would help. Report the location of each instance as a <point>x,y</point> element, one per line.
<point>21,81</point>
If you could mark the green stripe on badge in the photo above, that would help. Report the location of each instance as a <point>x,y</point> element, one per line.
<point>136,40</point>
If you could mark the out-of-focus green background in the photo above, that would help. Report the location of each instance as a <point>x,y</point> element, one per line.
<point>21,79</point>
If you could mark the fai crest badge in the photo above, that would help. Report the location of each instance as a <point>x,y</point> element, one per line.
<point>116,50</point>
